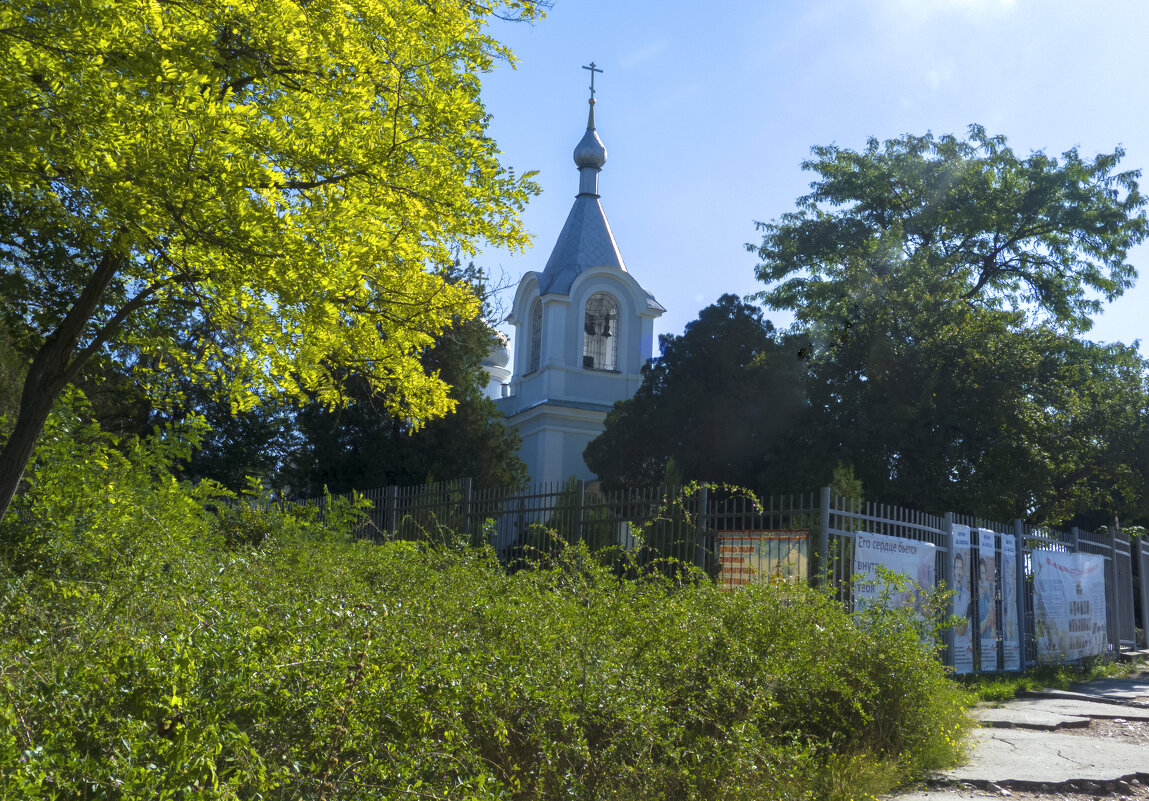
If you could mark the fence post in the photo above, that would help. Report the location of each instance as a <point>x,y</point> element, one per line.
<point>1021,593</point>
<point>579,499</point>
<point>465,511</point>
<point>393,511</point>
<point>948,578</point>
<point>1113,595</point>
<point>701,522</point>
<point>821,561</point>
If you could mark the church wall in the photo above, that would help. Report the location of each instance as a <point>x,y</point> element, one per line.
<point>555,326</point>
<point>646,341</point>
<point>554,438</point>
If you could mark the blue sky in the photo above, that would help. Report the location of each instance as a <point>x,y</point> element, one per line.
<point>707,112</point>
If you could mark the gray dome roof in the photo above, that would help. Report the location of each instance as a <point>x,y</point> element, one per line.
<point>499,356</point>
<point>590,151</point>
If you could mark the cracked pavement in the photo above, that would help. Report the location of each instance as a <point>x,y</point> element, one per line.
<point>1091,742</point>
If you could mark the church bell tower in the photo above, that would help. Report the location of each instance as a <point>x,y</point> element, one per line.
<point>584,327</point>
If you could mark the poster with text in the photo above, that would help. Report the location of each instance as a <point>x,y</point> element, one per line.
<point>909,558</point>
<point>1010,631</point>
<point>962,601</point>
<point>1068,605</point>
<point>987,623</point>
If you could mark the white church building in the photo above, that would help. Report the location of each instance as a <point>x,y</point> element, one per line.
<point>584,327</point>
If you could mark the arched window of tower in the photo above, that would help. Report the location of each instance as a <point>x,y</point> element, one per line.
<point>600,333</point>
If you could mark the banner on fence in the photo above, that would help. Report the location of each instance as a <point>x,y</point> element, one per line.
<point>760,556</point>
<point>962,601</point>
<point>909,558</point>
<point>1068,605</point>
<point>987,622</point>
<point>1010,632</point>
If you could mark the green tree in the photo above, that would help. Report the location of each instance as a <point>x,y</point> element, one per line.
<point>952,408</point>
<point>941,285</point>
<point>235,444</point>
<point>963,219</point>
<point>724,403</point>
<point>11,377</point>
<point>291,175</point>
<point>362,446</point>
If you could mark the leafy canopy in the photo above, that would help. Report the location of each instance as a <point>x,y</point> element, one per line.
<point>292,173</point>
<point>959,218</point>
<point>942,285</point>
<point>968,409</point>
<point>153,649</point>
<point>362,447</point>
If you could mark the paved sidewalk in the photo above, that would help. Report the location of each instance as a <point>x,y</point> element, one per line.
<point>1092,741</point>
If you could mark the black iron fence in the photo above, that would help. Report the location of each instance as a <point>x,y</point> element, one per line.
<point>737,539</point>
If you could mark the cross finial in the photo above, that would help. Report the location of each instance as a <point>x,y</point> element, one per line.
<point>593,69</point>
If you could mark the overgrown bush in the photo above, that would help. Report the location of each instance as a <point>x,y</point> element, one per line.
<point>179,661</point>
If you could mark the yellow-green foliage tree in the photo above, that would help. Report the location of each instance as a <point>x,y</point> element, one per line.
<point>294,174</point>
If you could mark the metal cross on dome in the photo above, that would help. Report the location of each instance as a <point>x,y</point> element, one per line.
<point>593,69</point>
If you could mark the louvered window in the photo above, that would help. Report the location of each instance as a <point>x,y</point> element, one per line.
<point>600,333</point>
<point>536,335</point>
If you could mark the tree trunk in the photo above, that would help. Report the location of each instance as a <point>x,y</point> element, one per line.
<point>34,408</point>
<point>53,368</point>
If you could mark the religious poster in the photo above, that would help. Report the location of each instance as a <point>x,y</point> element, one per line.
<point>1010,630</point>
<point>987,623</point>
<point>762,556</point>
<point>909,558</point>
<point>962,601</point>
<point>1068,605</point>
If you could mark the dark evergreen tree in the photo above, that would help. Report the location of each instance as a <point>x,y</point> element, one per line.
<point>725,402</point>
<point>941,289</point>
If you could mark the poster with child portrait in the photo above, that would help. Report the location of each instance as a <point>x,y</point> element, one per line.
<point>987,622</point>
<point>1010,631</point>
<point>962,601</point>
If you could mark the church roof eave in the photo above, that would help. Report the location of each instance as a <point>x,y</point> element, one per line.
<point>653,305</point>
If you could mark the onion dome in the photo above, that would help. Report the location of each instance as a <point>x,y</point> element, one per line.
<point>590,151</point>
<point>500,354</point>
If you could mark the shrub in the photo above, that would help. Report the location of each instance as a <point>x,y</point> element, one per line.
<point>286,661</point>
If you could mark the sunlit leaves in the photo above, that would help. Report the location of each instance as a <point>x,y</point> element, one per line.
<point>290,173</point>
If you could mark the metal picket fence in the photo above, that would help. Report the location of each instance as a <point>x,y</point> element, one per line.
<point>736,540</point>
